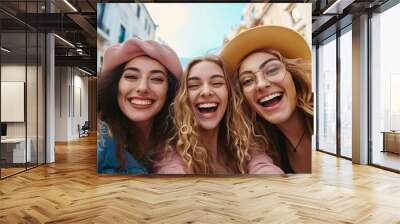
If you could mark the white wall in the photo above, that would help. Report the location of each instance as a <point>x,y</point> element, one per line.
<point>80,94</point>
<point>61,103</point>
<point>70,84</point>
<point>33,126</point>
<point>12,73</point>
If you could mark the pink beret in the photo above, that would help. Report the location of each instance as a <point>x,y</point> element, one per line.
<point>134,47</point>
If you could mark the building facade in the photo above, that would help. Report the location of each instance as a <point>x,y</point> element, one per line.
<point>118,22</point>
<point>296,16</point>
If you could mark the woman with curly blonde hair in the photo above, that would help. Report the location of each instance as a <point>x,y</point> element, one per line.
<point>272,73</point>
<point>213,135</point>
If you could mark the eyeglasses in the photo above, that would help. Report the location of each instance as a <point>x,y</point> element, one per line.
<point>273,70</point>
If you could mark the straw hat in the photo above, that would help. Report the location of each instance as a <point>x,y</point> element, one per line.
<point>287,41</point>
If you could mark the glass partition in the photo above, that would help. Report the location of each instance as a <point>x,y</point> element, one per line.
<point>22,88</point>
<point>31,99</point>
<point>327,96</point>
<point>13,95</point>
<point>41,96</point>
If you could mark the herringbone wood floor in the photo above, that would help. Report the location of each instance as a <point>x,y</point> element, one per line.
<point>70,191</point>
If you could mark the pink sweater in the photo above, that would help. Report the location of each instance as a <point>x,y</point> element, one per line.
<point>260,163</point>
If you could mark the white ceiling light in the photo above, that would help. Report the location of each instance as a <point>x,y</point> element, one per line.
<point>65,41</point>
<point>338,6</point>
<point>70,5</point>
<point>5,50</point>
<point>86,72</point>
<point>79,51</point>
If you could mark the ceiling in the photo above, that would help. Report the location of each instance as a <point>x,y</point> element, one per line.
<point>328,16</point>
<point>73,21</point>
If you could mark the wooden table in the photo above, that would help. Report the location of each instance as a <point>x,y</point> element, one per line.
<point>391,141</point>
<point>13,150</point>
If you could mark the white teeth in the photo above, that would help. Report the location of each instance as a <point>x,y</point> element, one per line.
<point>141,102</point>
<point>206,105</point>
<point>269,97</point>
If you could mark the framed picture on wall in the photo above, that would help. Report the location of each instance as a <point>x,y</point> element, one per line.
<point>211,89</point>
<point>12,101</point>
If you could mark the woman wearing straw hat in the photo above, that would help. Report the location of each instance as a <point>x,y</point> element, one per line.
<point>138,82</point>
<point>212,132</point>
<point>270,67</point>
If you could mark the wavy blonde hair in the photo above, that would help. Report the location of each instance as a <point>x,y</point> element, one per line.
<point>233,136</point>
<point>300,69</point>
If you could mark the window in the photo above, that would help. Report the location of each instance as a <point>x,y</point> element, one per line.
<point>385,89</point>
<point>346,94</point>
<point>121,37</point>
<point>334,106</point>
<point>327,96</point>
<point>394,101</point>
<point>138,12</point>
<point>145,24</point>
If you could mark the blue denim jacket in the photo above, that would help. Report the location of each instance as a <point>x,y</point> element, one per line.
<point>107,161</point>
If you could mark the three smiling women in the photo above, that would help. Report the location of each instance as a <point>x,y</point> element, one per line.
<point>248,111</point>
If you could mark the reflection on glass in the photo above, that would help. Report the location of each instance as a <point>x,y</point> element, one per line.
<point>14,151</point>
<point>394,101</point>
<point>327,97</point>
<point>346,94</point>
<point>314,73</point>
<point>23,89</point>
<point>386,89</point>
<point>41,99</point>
<point>31,100</point>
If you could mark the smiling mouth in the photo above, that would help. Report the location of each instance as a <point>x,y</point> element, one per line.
<point>205,108</point>
<point>271,99</point>
<point>141,102</point>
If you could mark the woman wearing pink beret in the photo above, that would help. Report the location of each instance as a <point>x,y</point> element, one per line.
<point>213,136</point>
<point>137,84</point>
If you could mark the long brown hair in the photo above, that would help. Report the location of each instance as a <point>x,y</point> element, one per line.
<point>300,69</point>
<point>233,136</point>
<point>123,130</point>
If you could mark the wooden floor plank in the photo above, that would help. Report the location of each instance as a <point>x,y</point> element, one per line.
<point>70,191</point>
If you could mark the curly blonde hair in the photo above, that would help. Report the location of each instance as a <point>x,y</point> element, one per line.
<point>233,136</point>
<point>300,69</point>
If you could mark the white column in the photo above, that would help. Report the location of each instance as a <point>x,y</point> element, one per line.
<point>360,90</point>
<point>50,94</point>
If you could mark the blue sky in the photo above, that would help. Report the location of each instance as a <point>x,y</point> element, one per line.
<point>194,29</point>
